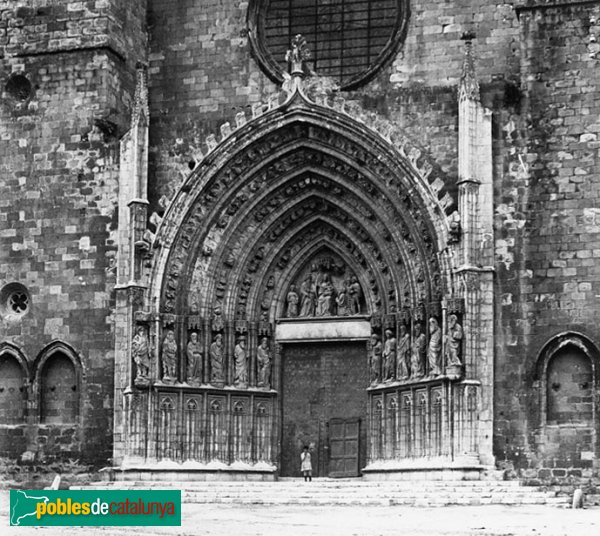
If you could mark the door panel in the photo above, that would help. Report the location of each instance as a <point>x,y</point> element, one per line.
<point>344,441</point>
<point>321,384</point>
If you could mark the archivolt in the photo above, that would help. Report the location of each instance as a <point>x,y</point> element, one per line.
<point>245,197</point>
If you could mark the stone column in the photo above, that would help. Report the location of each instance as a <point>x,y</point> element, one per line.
<point>207,341</point>
<point>475,250</point>
<point>229,347</point>
<point>252,344</point>
<point>130,288</point>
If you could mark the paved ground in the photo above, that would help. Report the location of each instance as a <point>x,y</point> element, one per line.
<point>212,520</point>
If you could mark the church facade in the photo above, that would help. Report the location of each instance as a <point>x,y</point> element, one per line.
<point>235,229</point>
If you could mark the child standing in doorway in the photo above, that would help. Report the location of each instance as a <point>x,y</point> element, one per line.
<point>306,466</point>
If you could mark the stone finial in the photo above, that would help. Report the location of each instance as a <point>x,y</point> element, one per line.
<point>469,85</point>
<point>297,56</point>
<point>140,102</point>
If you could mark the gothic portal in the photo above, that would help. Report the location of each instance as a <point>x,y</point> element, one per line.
<point>305,288</point>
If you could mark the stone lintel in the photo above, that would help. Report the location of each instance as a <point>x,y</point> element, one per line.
<point>323,329</point>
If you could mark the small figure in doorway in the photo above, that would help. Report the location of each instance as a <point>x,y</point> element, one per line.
<point>306,466</point>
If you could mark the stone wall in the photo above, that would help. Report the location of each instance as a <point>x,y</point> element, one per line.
<point>59,169</point>
<point>547,240</point>
<point>67,88</point>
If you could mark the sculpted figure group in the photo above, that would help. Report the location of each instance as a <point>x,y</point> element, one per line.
<point>193,373</point>
<point>417,357</point>
<point>318,296</point>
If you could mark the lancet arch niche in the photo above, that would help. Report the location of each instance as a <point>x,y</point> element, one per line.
<point>300,269</point>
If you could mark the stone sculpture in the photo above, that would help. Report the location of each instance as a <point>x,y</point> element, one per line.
<point>325,300</point>
<point>169,357</point>
<point>355,296</point>
<point>307,298</point>
<point>403,367</point>
<point>140,349</point>
<point>292,302</point>
<point>216,360</point>
<point>194,360</point>
<point>298,54</point>
<point>217,320</point>
<point>376,352</point>
<point>342,300</point>
<point>263,361</point>
<point>241,365</point>
<point>434,349</point>
<point>454,337</point>
<point>419,343</point>
<point>389,355</point>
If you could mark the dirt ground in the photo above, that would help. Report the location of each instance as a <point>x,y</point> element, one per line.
<point>221,520</point>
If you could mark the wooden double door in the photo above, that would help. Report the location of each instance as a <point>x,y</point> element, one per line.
<point>323,406</point>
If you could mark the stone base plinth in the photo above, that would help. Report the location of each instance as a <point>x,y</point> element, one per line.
<point>426,469</point>
<point>154,475</point>
<point>190,471</point>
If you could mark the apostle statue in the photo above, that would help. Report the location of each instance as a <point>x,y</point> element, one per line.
<point>454,337</point>
<point>389,355</point>
<point>216,360</point>
<point>403,368</point>
<point>241,364</point>
<point>292,302</point>
<point>376,351</point>
<point>307,297</point>
<point>434,349</point>
<point>169,357</point>
<point>194,360</point>
<point>417,365</point>
<point>263,361</point>
<point>140,349</point>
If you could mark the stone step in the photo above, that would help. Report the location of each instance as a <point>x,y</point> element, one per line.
<point>433,501</point>
<point>331,492</point>
<point>384,501</point>
<point>321,484</point>
<point>497,498</point>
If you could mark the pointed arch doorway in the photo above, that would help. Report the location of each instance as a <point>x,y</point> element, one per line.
<point>303,201</point>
